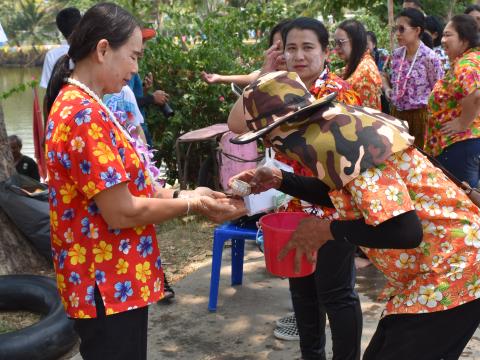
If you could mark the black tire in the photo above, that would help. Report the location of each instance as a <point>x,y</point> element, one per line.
<point>48,339</point>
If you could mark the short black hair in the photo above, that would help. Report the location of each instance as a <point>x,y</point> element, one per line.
<point>416,2</point>
<point>306,23</point>
<point>471,8</point>
<point>415,18</point>
<point>15,138</point>
<point>467,28</point>
<point>67,19</point>
<point>434,25</point>
<point>277,28</point>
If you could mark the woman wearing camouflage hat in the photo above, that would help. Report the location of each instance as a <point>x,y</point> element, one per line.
<point>416,226</point>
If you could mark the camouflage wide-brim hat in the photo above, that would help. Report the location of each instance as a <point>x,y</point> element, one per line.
<point>273,99</point>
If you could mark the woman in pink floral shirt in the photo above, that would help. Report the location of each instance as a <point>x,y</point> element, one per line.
<point>453,133</point>
<point>410,76</point>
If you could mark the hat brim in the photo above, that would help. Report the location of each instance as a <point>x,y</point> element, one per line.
<point>148,34</point>
<point>301,114</point>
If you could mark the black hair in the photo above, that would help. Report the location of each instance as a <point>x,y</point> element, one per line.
<point>416,2</point>
<point>467,29</point>
<point>358,40</point>
<point>102,21</point>
<point>434,25</point>
<point>17,140</point>
<point>306,23</point>
<point>277,28</point>
<point>375,53</point>
<point>427,39</point>
<point>471,8</point>
<point>67,19</point>
<point>415,18</point>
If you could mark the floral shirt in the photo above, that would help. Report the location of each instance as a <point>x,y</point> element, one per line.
<point>367,82</point>
<point>411,90</point>
<point>443,271</point>
<point>86,154</point>
<point>442,55</point>
<point>326,83</point>
<point>444,102</point>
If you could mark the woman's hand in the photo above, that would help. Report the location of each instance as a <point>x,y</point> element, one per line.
<point>160,97</point>
<point>147,81</point>
<point>452,127</point>
<point>260,179</point>
<point>218,210</point>
<point>201,191</point>
<point>311,234</point>
<point>273,58</point>
<point>210,78</point>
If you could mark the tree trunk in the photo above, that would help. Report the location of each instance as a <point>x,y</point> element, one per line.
<point>390,23</point>
<point>17,255</point>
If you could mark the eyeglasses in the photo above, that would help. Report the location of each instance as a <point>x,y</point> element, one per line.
<point>337,43</point>
<point>401,29</point>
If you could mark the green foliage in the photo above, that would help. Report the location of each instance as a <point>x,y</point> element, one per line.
<point>19,88</point>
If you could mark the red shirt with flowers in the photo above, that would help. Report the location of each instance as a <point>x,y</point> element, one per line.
<point>444,103</point>
<point>326,84</point>
<point>87,153</point>
<point>443,271</point>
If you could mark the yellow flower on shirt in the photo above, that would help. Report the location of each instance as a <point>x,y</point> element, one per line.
<point>102,251</point>
<point>62,132</point>
<point>90,189</point>
<point>54,220</point>
<point>71,95</point>
<point>145,292</point>
<point>122,266</point>
<point>143,271</point>
<point>61,283</point>
<point>77,254</point>
<point>77,144</point>
<point>68,192</point>
<point>103,152</point>
<point>66,111</point>
<point>95,131</point>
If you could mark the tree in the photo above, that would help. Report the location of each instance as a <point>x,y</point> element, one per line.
<point>16,253</point>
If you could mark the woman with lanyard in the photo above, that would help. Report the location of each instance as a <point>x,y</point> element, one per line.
<point>453,133</point>
<point>102,194</point>
<point>410,76</point>
<point>316,296</point>
<point>360,71</point>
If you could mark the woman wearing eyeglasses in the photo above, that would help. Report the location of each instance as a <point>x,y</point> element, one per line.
<point>360,71</point>
<point>453,133</point>
<point>413,71</point>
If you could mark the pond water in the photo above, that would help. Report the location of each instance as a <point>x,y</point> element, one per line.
<point>18,108</point>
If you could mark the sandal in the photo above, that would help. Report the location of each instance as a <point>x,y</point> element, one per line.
<point>168,293</point>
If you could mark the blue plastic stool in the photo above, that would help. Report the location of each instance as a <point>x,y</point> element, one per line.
<point>238,235</point>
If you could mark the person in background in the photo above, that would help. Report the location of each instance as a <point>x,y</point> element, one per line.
<point>140,89</point>
<point>316,296</point>
<point>379,55</point>
<point>66,20</point>
<point>474,10</point>
<point>245,79</point>
<point>103,194</point>
<point>411,73</point>
<point>360,71</point>
<point>453,131</point>
<point>412,4</point>
<point>434,28</point>
<point>25,165</point>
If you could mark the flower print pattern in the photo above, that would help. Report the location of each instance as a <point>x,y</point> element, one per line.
<point>85,155</point>
<point>441,272</point>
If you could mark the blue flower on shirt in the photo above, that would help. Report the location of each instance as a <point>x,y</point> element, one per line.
<point>74,278</point>
<point>123,290</point>
<point>68,214</point>
<point>103,115</point>
<point>125,246</point>
<point>145,247</point>
<point>51,156</point>
<point>61,258</point>
<point>100,276</point>
<point>64,159</point>
<point>86,227</point>
<point>158,263</point>
<point>83,116</point>
<point>113,138</point>
<point>52,195</point>
<point>85,166</point>
<point>85,102</point>
<point>50,127</point>
<point>121,152</point>
<point>110,177</point>
<point>89,298</point>
<point>92,208</point>
<point>140,180</point>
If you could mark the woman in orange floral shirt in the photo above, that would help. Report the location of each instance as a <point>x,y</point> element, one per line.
<point>102,192</point>
<point>361,72</point>
<point>453,128</point>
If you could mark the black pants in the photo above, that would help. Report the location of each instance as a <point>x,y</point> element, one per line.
<point>440,335</point>
<point>329,291</point>
<point>122,336</point>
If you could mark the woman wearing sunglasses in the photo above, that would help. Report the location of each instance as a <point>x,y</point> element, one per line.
<point>360,71</point>
<point>453,133</point>
<point>413,71</point>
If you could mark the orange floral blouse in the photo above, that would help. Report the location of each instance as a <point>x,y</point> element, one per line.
<point>444,270</point>
<point>367,82</point>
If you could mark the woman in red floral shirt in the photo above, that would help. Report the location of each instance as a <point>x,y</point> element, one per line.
<point>102,192</point>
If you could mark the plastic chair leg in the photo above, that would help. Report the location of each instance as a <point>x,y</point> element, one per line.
<point>218,242</point>
<point>238,250</point>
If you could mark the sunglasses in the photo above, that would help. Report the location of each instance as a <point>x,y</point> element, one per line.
<point>338,43</point>
<point>401,29</point>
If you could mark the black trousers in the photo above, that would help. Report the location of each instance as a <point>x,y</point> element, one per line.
<point>329,291</point>
<point>440,335</point>
<point>122,336</point>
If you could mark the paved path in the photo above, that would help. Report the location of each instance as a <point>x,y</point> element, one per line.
<point>242,328</point>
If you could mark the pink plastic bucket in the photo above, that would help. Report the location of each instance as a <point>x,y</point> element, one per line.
<point>277,229</point>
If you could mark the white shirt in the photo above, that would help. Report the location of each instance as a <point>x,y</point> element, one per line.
<point>124,105</point>
<point>3,36</point>
<point>50,59</point>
